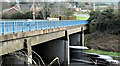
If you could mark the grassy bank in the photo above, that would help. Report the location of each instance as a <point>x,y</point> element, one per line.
<point>81,18</point>
<point>103,52</point>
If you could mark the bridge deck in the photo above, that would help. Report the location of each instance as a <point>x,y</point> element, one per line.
<point>7,27</point>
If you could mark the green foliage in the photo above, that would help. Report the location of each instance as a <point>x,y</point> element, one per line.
<point>103,52</point>
<point>12,3</point>
<point>46,10</point>
<point>100,17</point>
<point>28,15</point>
<point>5,16</point>
<point>106,20</point>
<point>68,12</point>
<point>39,15</point>
<point>54,15</point>
<point>86,3</point>
<point>17,15</point>
<point>93,16</point>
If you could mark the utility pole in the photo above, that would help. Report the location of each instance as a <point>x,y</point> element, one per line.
<point>33,10</point>
<point>93,5</point>
<point>0,10</point>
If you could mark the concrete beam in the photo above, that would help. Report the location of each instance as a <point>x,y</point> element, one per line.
<point>46,37</point>
<point>75,30</point>
<point>11,46</point>
<point>33,33</point>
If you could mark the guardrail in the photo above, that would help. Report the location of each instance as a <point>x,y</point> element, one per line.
<point>22,26</point>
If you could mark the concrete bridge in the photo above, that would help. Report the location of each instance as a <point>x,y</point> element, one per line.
<point>50,42</point>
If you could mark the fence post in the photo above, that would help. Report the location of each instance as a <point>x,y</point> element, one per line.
<point>22,26</point>
<point>36,25</point>
<point>41,24</point>
<point>29,26</point>
<point>13,27</point>
<point>3,28</point>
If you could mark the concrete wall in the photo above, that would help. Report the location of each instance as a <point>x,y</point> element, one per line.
<point>75,39</point>
<point>12,60</point>
<point>50,50</point>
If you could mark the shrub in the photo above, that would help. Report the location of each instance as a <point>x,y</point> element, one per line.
<point>17,15</point>
<point>54,15</point>
<point>28,15</point>
<point>39,15</point>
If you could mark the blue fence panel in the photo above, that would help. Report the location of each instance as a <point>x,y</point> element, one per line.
<point>33,26</point>
<point>8,27</point>
<point>26,26</point>
<point>18,26</point>
<point>21,26</point>
<point>0,28</point>
<point>39,25</point>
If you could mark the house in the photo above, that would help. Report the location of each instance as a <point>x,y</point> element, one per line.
<point>14,9</point>
<point>22,8</point>
<point>25,7</point>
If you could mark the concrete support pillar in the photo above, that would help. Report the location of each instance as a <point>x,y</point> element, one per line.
<point>82,29</point>
<point>68,45</point>
<point>29,48</point>
<point>65,52</point>
<point>75,39</point>
<point>1,56</point>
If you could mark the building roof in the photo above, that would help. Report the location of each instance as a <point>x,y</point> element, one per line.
<point>14,7</point>
<point>25,7</point>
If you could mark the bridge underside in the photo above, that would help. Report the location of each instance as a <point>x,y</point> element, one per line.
<point>47,43</point>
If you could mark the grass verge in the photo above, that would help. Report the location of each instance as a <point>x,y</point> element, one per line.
<point>103,52</point>
<point>81,18</point>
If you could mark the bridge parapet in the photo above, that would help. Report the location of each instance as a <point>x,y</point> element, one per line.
<point>26,34</point>
<point>7,27</point>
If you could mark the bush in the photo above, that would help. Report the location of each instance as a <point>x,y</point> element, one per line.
<point>39,15</point>
<point>17,16</point>
<point>54,15</point>
<point>105,21</point>
<point>5,16</point>
<point>28,15</point>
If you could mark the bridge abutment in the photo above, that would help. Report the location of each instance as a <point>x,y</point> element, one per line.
<point>52,49</point>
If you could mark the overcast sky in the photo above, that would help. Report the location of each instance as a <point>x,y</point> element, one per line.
<point>60,0</point>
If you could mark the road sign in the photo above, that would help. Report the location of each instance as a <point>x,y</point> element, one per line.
<point>33,13</point>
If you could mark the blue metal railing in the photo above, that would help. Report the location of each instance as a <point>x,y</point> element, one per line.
<point>22,26</point>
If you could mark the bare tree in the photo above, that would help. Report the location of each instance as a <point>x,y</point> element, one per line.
<point>86,4</point>
<point>46,10</point>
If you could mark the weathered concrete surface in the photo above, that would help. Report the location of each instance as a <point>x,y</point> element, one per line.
<point>78,29</point>
<point>49,50</point>
<point>46,37</point>
<point>75,39</point>
<point>14,42</point>
<point>11,46</point>
<point>33,33</point>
